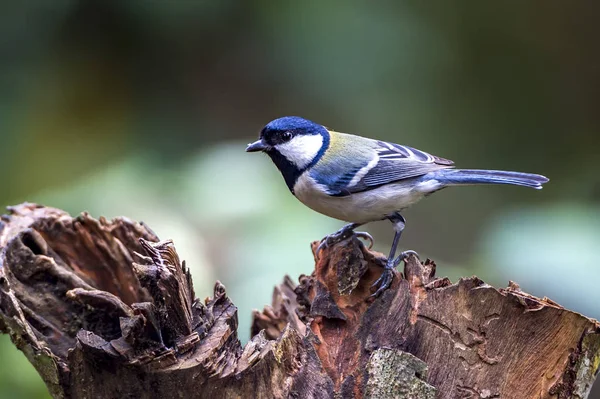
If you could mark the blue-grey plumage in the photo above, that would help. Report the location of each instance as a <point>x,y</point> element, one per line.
<point>360,180</point>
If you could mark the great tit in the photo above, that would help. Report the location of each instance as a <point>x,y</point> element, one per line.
<point>361,180</point>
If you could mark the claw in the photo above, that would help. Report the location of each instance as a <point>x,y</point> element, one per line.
<point>383,282</point>
<point>365,236</point>
<point>405,255</point>
<point>321,247</point>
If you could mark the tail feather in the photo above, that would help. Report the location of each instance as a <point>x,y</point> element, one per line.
<point>452,177</point>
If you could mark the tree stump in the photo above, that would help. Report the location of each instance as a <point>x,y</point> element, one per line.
<point>103,309</point>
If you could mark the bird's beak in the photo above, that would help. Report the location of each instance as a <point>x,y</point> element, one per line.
<point>257,146</point>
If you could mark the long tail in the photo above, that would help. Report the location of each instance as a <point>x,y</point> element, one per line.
<point>454,177</point>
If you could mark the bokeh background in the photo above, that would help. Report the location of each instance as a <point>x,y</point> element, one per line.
<point>143,109</point>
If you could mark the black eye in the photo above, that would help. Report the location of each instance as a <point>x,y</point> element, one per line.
<point>286,136</point>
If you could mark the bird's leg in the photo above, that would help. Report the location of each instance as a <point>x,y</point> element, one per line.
<point>385,280</point>
<point>340,235</point>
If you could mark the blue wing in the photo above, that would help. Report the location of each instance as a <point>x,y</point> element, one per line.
<point>381,163</point>
<point>398,162</point>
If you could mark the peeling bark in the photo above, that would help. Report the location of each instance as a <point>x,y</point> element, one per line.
<point>104,309</point>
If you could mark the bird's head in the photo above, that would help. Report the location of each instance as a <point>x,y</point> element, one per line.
<point>296,139</point>
<point>293,143</point>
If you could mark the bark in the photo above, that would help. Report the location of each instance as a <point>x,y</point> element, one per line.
<point>103,309</point>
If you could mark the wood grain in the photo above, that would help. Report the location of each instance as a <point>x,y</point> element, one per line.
<point>104,309</point>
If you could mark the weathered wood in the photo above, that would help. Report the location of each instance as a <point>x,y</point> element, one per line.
<point>104,309</point>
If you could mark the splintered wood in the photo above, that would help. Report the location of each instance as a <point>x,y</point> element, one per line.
<point>103,309</point>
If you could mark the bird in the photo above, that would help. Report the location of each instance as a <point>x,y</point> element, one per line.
<point>360,180</point>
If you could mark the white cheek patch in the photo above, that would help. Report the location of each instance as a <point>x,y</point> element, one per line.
<point>301,150</point>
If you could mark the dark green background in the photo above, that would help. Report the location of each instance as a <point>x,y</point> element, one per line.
<point>143,108</point>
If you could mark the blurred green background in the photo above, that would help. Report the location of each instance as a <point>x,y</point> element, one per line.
<point>143,108</point>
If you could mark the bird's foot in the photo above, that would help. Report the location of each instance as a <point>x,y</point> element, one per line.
<point>385,280</point>
<point>340,235</point>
